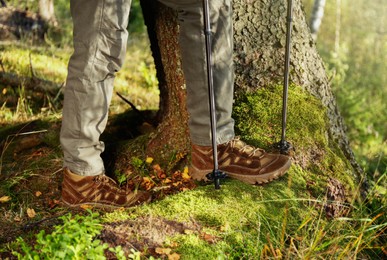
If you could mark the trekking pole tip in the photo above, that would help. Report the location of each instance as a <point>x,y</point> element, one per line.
<point>284,147</point>
<point>216,176</point>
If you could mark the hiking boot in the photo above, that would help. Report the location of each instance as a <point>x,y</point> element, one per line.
<point>98,191</point>
<point>239,161</point>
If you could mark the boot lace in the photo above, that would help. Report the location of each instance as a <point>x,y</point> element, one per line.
<point>250,150</point>
<point>108,181</point>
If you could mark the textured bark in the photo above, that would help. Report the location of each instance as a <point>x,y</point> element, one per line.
<point>259,46</point>
<point>171,136</point>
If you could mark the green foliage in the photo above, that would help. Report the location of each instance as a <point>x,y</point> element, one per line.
<point>136,21</point>
<point>75,239</point>
<point>354,48</point>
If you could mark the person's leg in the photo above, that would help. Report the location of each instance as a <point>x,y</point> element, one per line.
<point>237,159</point>
<point>193,51</point>
<point>100,39</point>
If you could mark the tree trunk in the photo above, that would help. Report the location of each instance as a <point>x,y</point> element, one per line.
<point>259,40</point>
<point>317,16</point>
<point>171,137</point>
<point>47,12</point>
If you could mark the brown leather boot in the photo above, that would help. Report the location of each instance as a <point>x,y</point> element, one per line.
<point>240,161</point>
<point>98,191</point>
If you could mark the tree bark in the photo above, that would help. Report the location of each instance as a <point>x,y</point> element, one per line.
<point>259,46</point>
<point>171,136</point>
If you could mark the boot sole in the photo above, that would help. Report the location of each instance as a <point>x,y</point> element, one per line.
<point>200,175</point>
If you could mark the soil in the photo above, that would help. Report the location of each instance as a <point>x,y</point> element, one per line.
<point>145,233</point>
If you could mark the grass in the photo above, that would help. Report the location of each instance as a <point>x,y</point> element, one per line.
<point>283,220</point>
<point>261,222</point>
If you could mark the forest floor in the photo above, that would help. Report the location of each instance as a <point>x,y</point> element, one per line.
<point>31,186</point>
<point>287,218</point>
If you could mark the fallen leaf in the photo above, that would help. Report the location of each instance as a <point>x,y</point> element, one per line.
<point>174,256</point>
<point>31,213</point>
<point>185,174</point>
<point>5,199</point>
<point>174,244</point>
<point>53,203</point>
<point>147,183</point>
<point>167,180</point>
<point>163,251</point>
<point>149,160</point>
<point>208,237</point>
<point>17,219</point>
<point>38,193</point>
<point>86,206</point>
<point>159,172</point>
<point>177,183</point>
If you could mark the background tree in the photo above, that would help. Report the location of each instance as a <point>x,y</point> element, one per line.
<point>353,44</point>
<point>47,11</point>
<point>316,17</point>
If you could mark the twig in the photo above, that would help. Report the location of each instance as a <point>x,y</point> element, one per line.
<point>130,104</point>
<point>28,133</point>
<point>2,65</point>
<point>32,225</point>
<point>8,142</point>
<point>58,93</point>
<point>33,75</point>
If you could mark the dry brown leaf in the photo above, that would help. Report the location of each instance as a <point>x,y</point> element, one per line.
<point>38,194</point>
<point>86,206</point>
<point>174,244</point>
<point>147,183</point>
<point>167,180</point>
<point>158,171</point>
<point>174,256</point>
<point>31,213</point>
<point>17,219</point>
<point>4,199</point>
<point>163,251</point>
<point>53,203</point>
<point>208,238</point>
<point>177,183</point>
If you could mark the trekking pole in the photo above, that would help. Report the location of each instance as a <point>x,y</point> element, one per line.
<point>215,175</point>
<point>283,145</point>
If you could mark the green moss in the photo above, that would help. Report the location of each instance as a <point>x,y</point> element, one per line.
<point>258,121</point>
<point>258,117</point>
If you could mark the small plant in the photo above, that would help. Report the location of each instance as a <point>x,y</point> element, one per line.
<point>75,239</point>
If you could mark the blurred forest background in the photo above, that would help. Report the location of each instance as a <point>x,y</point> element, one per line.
<point>352,41</point>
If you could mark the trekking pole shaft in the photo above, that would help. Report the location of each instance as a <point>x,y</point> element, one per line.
<point>208,35</point>
<point>286,73</point>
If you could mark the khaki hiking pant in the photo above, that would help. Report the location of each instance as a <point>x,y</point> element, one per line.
<point>100,40</point>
